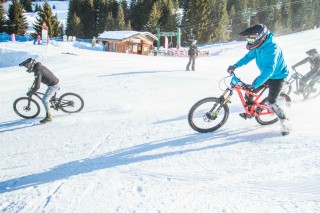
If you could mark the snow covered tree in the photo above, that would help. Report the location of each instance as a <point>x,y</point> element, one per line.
<point>17,22</point>
<point>46,16</point>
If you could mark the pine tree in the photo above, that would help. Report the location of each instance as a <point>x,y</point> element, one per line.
<point>17,22</point>
<point>72,18</point>
<point>298,16</point>
<point>3,20</point>
<point>110,23</point>
<point>28,5</point>
<point>169,16</point>
<point>102,9</point>
<point>124,4</point>
<point>87,17</point>
<point>75,27</point>
<point>46,16</point>
<point>221,33</point>
<point>154,18</point>
<point>121,21</point>
<point>286,17</point>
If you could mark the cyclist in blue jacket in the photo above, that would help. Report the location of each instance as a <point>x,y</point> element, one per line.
<point>270,61</point>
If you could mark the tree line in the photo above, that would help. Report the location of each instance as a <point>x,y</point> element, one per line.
<point>204,20</point>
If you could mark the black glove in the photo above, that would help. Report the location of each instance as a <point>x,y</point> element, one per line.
<point>231,68</point>
<point>29,93</point>
<point>249,87</point>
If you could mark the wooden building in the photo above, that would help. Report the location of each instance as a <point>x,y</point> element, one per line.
<point>131,42</point>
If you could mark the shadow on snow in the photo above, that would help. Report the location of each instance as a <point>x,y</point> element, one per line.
<point>18,124</point>
<point>130,155</point>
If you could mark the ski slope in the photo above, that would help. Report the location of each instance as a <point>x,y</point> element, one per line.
<point>131,148</point>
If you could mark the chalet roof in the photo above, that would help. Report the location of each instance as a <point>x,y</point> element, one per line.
<point>124,34</point>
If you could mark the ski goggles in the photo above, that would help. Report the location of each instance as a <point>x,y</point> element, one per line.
<point>252,39</point>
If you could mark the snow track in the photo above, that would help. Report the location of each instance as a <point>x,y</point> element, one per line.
<point>131,148</point>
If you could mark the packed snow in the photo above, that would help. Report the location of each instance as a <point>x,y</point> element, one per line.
<point>131,149</point>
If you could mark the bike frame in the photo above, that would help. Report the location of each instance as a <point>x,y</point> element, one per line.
<point>53,100</point>
<point>238,86</point>
<point>295,77</point>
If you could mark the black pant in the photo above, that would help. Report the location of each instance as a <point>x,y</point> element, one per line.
<point>192,59</point>
<point>275,87</point>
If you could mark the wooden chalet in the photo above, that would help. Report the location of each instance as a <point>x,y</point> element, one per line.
<point>131,42</point>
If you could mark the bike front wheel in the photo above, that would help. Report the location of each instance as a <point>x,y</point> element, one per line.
<point>26,107</point>
<point>208,115</point>
<point>312,91</point>
<point>71,103</point>
<point>269,117</point>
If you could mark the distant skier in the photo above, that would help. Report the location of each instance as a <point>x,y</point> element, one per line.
<point>270,61</point>
<point>45,76</point>
<point>314,73</point>
<point>193,53</point>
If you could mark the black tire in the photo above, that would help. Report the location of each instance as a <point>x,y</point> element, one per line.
<point>283,101</point>
<point>287,88</point>
<point>20,107</point>
<point>311,91</point>
<point>71,103</point>
<point>201,121</point>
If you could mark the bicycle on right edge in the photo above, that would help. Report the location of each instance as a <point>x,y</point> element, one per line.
<point>209,114</point>
<point>311,90</point>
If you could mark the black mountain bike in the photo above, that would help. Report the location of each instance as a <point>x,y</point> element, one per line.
<point>27,107</point>
<point>311,90</point>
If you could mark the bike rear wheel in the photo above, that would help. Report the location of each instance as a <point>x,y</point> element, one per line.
<point>312,91</point>
<point>283,101</point>
<point>26,108</point>
<point>205,116</point>
<point>71,103</point>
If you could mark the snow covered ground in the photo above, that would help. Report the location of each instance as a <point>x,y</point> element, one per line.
<point>131,148</point>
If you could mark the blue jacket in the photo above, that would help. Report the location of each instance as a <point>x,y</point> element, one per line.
<point>269,59</point>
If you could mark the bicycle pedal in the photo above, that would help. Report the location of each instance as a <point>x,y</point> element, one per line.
<point>245,115</point>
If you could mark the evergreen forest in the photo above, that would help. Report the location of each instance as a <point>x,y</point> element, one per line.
<point>207,21</point>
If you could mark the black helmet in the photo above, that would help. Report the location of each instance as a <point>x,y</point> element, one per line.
<point>312,53</point>
<point>29,63</point>
<point>256,35</point>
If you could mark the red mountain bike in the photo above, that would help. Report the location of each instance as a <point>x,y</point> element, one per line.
<point>209,114</point>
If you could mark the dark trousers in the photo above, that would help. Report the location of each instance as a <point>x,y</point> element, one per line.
<point>275,87</point>
<point>192,59</point>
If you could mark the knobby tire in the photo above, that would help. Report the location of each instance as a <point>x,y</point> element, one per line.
<point>20,108</point>
<point>200,122</point>
<point>71,103</point>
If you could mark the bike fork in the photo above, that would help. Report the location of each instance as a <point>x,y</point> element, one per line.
<point>222,101</point>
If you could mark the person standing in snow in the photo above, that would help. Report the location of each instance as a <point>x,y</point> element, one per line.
<point>193,53</point>
<point>42,75</point>
<point>273,68</point>
<point>314,73</point>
